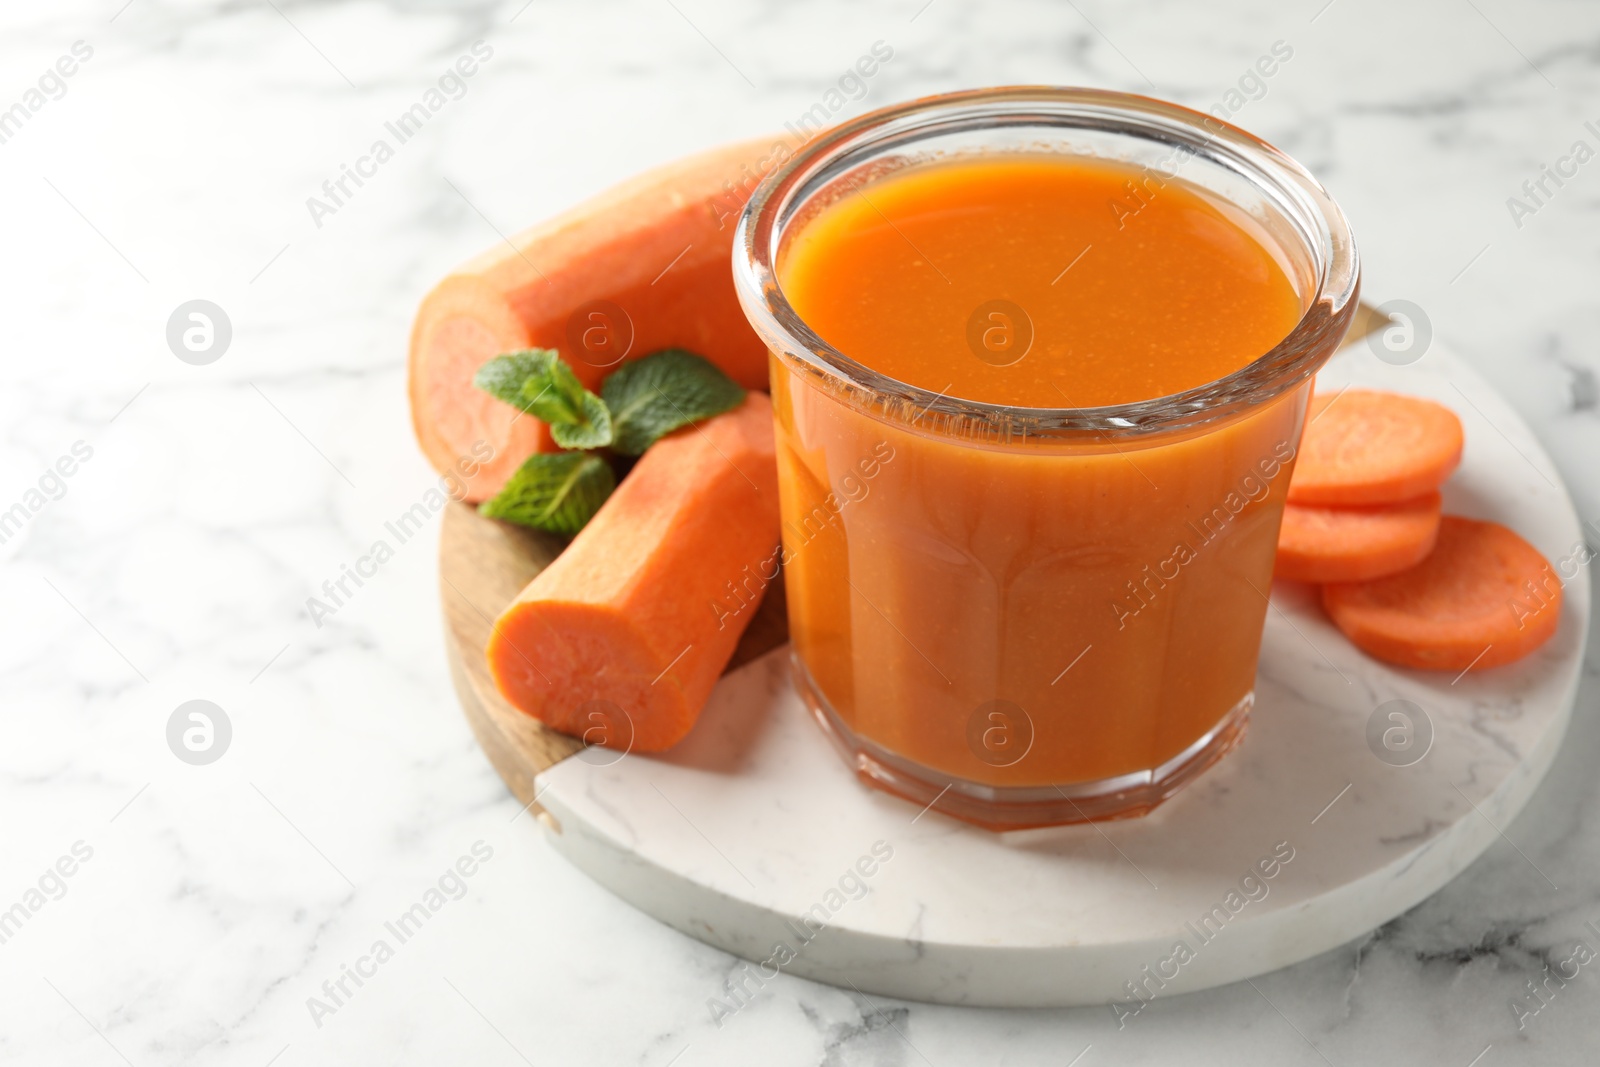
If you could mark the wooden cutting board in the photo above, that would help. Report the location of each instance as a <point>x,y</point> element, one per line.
<point>483,565</point>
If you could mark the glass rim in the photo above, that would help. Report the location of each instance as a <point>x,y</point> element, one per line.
<point>1316,218</point>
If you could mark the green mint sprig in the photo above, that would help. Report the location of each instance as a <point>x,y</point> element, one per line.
<point>557,492</point>
<point>540,383</point>
<point>639,403</point>
<point>651,397</point>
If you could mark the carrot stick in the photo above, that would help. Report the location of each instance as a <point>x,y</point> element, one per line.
<point>620,640</point>
<point>1362,446</point>
<point>641,267</point>
<point>1318,544</point>
<point>1483,597</point>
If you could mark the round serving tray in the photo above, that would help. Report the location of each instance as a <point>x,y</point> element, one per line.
<point>1332,817</point>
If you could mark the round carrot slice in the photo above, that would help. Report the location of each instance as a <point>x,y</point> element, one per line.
<point>1317,544</point>
<point>1483,597</point>
<point>1362,446</point>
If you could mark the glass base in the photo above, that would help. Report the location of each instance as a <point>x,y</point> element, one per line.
<point>1022,807</point>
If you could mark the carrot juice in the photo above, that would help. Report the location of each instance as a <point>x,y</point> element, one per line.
<point>997,620</point>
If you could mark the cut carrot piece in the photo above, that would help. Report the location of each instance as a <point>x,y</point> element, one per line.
<point>620,640</point>
<point>641,267</point>
<point>1483,597</point>
<point>1317,544</point>
<point>1361,446</point>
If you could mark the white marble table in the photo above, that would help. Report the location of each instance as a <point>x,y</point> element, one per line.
<point>207,905</point>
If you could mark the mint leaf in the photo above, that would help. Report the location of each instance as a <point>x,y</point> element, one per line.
<point>557,492</point>
<point>532,380</point>
<point>537,381</point>
<point>592,431</point>
<point>651,397</point>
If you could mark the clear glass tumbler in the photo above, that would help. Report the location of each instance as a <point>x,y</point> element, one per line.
<point>1031,616</point>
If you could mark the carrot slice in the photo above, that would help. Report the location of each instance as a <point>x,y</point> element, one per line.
<point>1483,597</point>
<point>1362,446</point>
<point>620,640</point>
<point>638,268</point>
<point>1318,544</point>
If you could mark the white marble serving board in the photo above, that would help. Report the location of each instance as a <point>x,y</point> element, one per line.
<point>754,820</point>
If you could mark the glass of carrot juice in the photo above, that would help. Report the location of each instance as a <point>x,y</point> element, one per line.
<point>1040,362</point>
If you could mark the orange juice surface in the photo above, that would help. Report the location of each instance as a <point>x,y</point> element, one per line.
<point>1034,613</point>
<point>1132,293</point>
